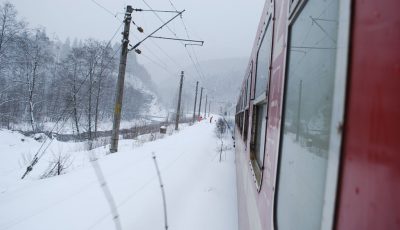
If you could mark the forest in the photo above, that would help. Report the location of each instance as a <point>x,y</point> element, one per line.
<point>46,81</point>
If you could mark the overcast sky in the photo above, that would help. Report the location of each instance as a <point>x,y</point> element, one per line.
<point>228,27</point>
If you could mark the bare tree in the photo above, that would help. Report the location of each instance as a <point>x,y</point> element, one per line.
<point>72,68</point>
<point>105,68</point>
<point>58,165</point>
<point>35,54</point>
<point>220,131</point>
<point>10,27</point>
<point>91,60</point>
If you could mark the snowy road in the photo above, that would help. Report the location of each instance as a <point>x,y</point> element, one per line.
<point>200,190</point>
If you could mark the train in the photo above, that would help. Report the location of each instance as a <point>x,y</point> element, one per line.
<point>317,122</point>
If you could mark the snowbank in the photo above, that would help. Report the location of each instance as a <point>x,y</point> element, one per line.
<point>200,190</point>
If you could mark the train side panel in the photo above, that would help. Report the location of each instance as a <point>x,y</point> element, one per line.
<point>256,206</point>
<point>370,185</point>
<point>369,172</point>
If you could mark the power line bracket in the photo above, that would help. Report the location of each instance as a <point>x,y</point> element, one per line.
<point>155,31</point>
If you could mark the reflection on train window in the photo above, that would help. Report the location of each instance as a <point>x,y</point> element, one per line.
<point>263,63</point>
<point>257,144</point>
<point>307,116</point>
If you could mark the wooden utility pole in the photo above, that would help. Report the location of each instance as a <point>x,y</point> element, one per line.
<point>201,96</point>
<point>195,102</point>
<point>121,78</point>
<point>205,108</point>
<point>178,110</point>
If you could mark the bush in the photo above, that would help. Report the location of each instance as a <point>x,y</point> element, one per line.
<point>220,128</point>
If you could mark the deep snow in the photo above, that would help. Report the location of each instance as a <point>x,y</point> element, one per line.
<point>200,190</point>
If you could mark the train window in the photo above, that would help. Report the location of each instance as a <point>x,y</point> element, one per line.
<point>240,102</point>
<point>241,121</point>
<point>249,79</point>
<point>244,98</point>
<point>257,141</point>
<point>259,123</point>
<point>245,95</point>
<point>263,62</point>
<point>305,142</point>
<point>248,89</point>
<point>259,119</point>
<point>246,124</point>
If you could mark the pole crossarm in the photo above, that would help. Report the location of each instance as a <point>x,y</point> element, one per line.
<point>155,31</point>
<point>180,39</point>
<point>194,44</point>
<point>158,11</point>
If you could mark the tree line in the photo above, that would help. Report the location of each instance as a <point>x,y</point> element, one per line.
<point>45,80</point>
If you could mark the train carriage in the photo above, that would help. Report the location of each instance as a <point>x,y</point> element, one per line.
<point>318,117</point>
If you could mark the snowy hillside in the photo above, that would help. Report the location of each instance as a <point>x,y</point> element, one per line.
<point>154,108</point>
<point>218,74</point>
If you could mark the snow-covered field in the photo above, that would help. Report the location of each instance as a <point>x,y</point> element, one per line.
<point>200,190</point>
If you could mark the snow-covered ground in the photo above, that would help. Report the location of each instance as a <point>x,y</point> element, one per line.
<point>200,190</point>
<point>69,126</point>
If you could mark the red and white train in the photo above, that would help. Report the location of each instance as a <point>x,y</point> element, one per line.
<point>318,118</point>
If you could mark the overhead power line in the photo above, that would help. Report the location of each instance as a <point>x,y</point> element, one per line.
<point>105,9</point>
<point>157,64</point>
<point>188,37</point>
<point>175,35</point>
<point>194,60</point>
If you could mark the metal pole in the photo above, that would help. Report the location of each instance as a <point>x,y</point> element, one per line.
<point>209,108</point>
<point>195,102</point>
<point>178,110</point>
<point>299,110</point>
<point>201,96</point>
<point>162,191</point>
<point>205,108</point>
<point>120,83</point>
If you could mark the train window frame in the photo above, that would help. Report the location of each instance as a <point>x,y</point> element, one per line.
<point>247,107</point>
<point>247,93</point>
<point>267,22</point>
<point>250,84</point>
<point>245,125</point>
<point>338,112</point>
<point>294,7</point>
<point>243,98</point>
<point>257,168</point>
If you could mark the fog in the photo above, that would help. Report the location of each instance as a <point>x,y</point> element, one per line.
<point>227,26</point>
